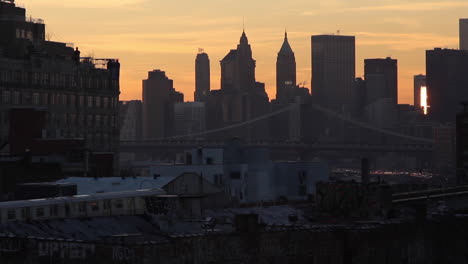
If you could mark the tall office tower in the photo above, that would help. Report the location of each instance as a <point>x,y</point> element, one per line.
<point>238,68</point>
<point>447,82</point>
<point>385,70</point>
<point>80,95</point>
<point>285,72</point>
<point>189,118</point>
<point>419,81</point>
<point>463,27</point>
<point>202,77</point>
<point>159,97</point>
<point>240,98</point>
<point>333,70</point>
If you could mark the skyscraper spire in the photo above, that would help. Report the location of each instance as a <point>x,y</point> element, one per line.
<point>243,39</point>
<point>286,48</point>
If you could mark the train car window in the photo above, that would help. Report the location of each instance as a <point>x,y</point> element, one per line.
<point>118,204</point>
<point>82,207</point>
<point>40,212</point>
<point>94,206</point>
<point>107,204</point>
<point>11,214</point>
<point>54,210</point>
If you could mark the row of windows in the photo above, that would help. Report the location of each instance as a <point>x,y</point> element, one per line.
<point>72,120</point>
<point>46,79</point>
<point>54,209</point>
<point>16,97</point>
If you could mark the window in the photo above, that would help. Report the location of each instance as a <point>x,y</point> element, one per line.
<point>35,98</point>
<point>82,207</point>
<point>94,206</point>
<point>105,102</point>
<point>118,204</point>
<point>90,101</point>
<point>11,214</point>
<point>72,100</point>
<point>6,97</point>
<point>235,175</point>
<point>16,98</point>
<point>107,204</point>
<point>40,212</point>
<point>98,101</point>
<point>81,100</point>
<point>54,210</point>
<point>45,99</point>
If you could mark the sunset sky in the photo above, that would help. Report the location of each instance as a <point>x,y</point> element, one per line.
<point>154,34</point>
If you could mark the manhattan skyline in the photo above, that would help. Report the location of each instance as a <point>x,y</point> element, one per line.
<point>148,35</point>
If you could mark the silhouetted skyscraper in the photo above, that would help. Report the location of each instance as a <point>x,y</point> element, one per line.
<point>159,97</point>
<point>333,70</point>
<point>285,71</point>
<point>419,81</point>
<point>463,27</point>
<point>238,68</point>
<point>447,82</point>
<point>202,77</point>
<point>240,98</point>
<point>385,70</point>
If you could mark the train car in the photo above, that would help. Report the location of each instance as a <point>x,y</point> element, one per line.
<point>78,206</point>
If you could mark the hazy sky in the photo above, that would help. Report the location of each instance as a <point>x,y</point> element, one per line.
<point>154,34</point>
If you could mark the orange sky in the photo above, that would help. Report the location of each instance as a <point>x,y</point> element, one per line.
<point>154,34</point>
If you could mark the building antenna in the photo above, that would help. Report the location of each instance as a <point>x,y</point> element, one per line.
<point>243,24</point>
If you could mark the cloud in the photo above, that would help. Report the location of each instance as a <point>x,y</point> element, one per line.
<point>405,41</point>
<point>84,3</point>
<point>403,7</point>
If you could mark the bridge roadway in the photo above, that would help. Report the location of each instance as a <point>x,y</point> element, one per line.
<point>129,146</point>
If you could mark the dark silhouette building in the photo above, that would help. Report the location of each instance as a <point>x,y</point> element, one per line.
<point>241,97</point>
<point>130,120</point>
<point>463,27</point>
<point>462,145</point>
<point>202,77</point>
<point>79,94</point>
<point>447,82</point>
<point>285,71</point>
<point>419,81</point>
<point>333,70</point>
<point>159,97</point>
<point>386,72</point>
<point>238,68</point>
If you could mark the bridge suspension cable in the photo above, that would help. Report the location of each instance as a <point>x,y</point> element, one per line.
<point>250,121</point>
<point>368,126</point>
<point>287,108</point>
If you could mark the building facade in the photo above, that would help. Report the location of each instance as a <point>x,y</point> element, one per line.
<point>285,71</point>
<point>419,81</point>
<point>130,120</point>
<point>241,97</point>
<point>159,97</point>
<point>463,27</point>
<point>387,71</point>
<point>189,119</point>
<point>447,79</point>
<point>333,70</point>
<point>80,95</point>
<point>202,77</point>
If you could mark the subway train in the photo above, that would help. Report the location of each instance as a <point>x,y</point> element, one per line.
<point>103,204</point>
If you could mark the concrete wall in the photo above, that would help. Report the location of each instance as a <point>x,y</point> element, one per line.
<point>412,243</point>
